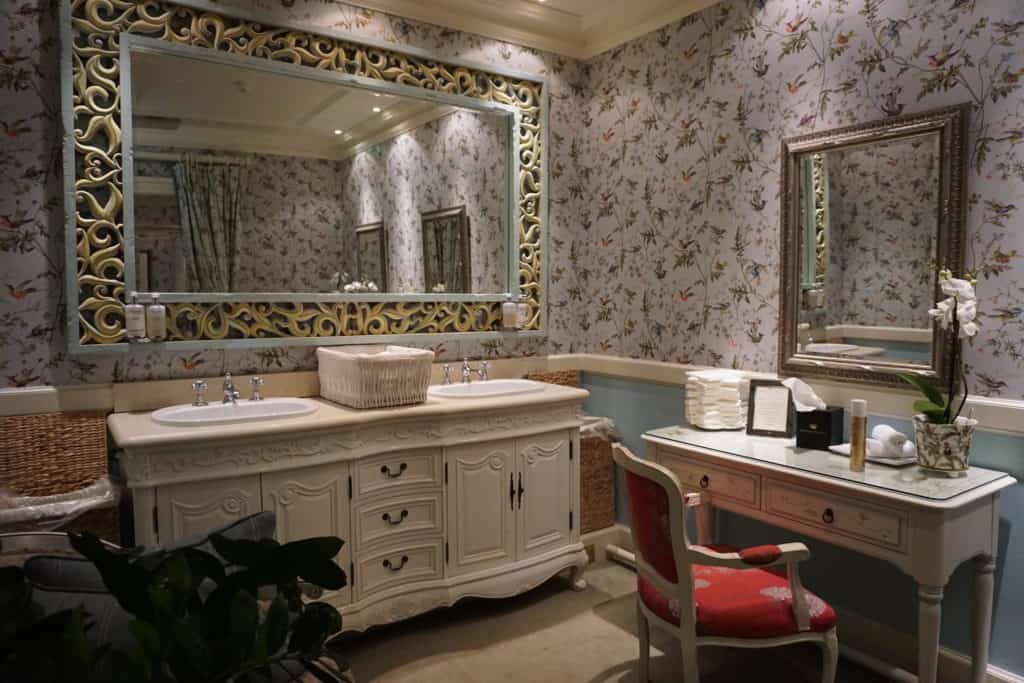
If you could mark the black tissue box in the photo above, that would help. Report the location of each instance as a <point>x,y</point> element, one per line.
<point>819,429</point>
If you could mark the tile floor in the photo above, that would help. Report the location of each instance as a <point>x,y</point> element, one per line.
<point>553,634</point>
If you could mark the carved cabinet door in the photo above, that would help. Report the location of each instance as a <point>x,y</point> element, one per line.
<point>313,501</point>
<point>481,506</point>
<point>546,508</point>
<point>193,508</point>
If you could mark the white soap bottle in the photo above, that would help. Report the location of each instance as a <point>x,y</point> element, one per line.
<point>156,320</point>
<point>135,320</point>
<point>510,315</point>
<point>524,312</point>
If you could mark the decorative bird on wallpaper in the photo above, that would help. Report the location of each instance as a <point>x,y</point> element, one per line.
<point>937,60</point>
<point>21,290</point>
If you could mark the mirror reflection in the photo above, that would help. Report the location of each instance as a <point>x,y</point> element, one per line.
<point>869,219</point>
<point>252,181</point>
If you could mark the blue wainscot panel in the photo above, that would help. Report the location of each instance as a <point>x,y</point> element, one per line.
<point>862,585</point>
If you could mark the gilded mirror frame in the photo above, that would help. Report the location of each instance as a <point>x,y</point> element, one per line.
<point>95,181</point>
<point>950,123</point>
<point>382,243</point>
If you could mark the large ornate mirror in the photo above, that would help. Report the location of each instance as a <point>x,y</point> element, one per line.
<point>229,165</point>
<point>869,213</point>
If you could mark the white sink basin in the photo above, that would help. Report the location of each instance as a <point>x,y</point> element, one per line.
<point>243,411</point>
<point>830,348</point>
<point>488,389</point>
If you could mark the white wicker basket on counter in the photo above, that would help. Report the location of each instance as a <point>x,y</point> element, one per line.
<point>374,376</point>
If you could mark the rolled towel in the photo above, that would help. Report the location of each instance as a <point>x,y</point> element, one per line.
<point>874,448</point>
<point>891,439</point>
<point>909,449</point>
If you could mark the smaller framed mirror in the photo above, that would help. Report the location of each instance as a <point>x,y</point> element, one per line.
<point>372,255</point>
<point>446,266</point>
<point>869,215</point>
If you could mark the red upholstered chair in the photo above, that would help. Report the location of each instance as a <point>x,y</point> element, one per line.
<point>724,597</point>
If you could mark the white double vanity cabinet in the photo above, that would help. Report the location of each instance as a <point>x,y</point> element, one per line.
<point>435,502</point>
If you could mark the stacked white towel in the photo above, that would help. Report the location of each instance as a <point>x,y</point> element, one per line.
<point>895,445</point>
<point>716,399</point>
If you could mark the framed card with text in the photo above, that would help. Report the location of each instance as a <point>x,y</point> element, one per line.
<point>770,410</point>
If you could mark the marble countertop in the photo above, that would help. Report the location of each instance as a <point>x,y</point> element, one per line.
<point>137,429</point>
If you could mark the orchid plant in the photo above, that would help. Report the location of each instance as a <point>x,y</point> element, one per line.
<point>957,313</point>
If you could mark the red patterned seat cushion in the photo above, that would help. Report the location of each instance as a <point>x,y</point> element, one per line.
<point>739,603</point>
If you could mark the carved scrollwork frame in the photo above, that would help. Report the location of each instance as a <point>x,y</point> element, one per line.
<point>97,284</point>
<point>950,124</point>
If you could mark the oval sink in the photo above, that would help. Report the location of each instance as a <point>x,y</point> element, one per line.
<point>830,348</point>
<point>243,411</point>
<point>488,389</point>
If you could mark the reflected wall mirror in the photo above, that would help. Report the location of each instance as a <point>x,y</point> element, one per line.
<point>371,258</point>
<point>447,266</point>
<point>869,213</point>
<point>243,170</point>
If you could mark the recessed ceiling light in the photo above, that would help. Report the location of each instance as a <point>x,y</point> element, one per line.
<point>376,110</point>
<point>337,131</point>
<point>376,94</point>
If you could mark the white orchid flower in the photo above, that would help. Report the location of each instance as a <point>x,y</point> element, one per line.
<point>962,299</point>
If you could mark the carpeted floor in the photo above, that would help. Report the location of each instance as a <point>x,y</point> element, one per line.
<point>553,634</point>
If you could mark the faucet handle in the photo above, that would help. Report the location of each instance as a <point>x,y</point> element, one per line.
<point>228,380</point>
<point>484,365</point>
<point>446,370</point>
<point>199,387</point>
<point>257,386</point>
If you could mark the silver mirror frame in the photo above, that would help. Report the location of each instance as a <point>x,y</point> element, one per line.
<point>99,261</point>
<point>950,123</point>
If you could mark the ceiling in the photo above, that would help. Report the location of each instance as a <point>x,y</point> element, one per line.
<point>576,28</point>
<point>193,104</point>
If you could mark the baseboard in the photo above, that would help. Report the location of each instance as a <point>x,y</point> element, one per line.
<point>888,646</point>
<point>596,542</point>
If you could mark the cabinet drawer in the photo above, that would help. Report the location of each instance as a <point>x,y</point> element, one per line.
<point>385,474</point>
<point>399,564</point>
<point>386,519</point>
<point>849,517</point>
<point>740,487</point>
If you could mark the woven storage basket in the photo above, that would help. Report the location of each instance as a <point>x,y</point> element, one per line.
<point>374,376</point>
<point>50,453</point>
<point>566,378</point>
<point>597,484</point>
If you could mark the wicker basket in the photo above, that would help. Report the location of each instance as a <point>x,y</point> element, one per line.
<point>374,376</point>
<point>42,455</point>
<point>597,482</point>
<point>566,378</point>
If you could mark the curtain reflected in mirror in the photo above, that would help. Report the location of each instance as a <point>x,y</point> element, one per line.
<point>209,209</point>
<point>446,250</point>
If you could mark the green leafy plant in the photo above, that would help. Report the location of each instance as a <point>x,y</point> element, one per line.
<point>197,618</point>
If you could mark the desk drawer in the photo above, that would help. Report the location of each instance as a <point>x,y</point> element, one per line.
<point>399,564</point>
<point>740,487</point>
<point>849,517</point>
<point>388,474</point>
<point>387,519</point>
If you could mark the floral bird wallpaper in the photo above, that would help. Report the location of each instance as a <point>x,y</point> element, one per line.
<point>664,171</point>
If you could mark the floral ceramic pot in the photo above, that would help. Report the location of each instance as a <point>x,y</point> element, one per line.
<point>943,447</point>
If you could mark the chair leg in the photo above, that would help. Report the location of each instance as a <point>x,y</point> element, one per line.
<point>829,657</point>
<point>691,664</point>
<point>643,630</point>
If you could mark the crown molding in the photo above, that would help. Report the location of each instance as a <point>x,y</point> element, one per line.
<point>605,25</point>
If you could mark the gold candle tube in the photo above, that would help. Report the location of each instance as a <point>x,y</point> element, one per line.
<point>858,433</point>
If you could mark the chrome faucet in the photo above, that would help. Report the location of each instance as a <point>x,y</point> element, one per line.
<point>468,371</point>
<point>257,388</point>
<point>199,387</point>
<point>446,370</point>
<point>231,394</point>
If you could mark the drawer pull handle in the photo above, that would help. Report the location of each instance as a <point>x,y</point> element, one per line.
<point>388,565</point>
<point>386,471</point>
<point>511,492</point>
<point>704,482</point>
<point>521,490</point>
<point>828,516</point>
<point>395,522</point>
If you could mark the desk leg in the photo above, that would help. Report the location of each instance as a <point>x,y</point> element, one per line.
<point>929,620</point>
<point>981,624</point>
<point>705,524</point>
